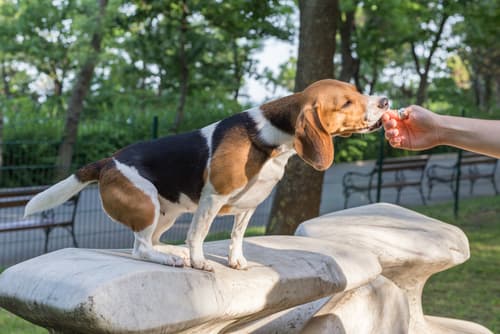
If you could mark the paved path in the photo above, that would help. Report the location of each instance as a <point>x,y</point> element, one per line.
<point>95,230</point>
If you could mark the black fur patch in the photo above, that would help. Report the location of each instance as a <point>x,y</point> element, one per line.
<point>174,164</point>
<point>244,123</point>
<point>281,120</point>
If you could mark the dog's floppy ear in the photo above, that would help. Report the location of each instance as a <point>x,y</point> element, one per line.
<point>312,142</point>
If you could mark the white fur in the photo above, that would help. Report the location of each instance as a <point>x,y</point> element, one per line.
<point>143,249</point>
<point>262,184</point>
<point>143,243</point>
<point>236,259</point>
<point>209,205</point>
<point>270,134</point>
<point>55,195</point>
<point>208,132</point>
<point>133,176</point>
<point>141,183</point>
<point>373,112</point>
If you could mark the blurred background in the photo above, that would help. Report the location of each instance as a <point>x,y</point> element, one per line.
<point>83,78</point>
<point>80,79</point>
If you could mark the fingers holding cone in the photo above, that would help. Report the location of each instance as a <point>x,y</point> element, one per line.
<point>393,121</point>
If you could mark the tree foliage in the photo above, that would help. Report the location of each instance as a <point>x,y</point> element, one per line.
<point>186,61</point>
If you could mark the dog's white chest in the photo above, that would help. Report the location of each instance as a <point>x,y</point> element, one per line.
<point>262,184</point>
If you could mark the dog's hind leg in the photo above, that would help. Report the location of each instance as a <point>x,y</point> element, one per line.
<point>143,249</point>
<point>165,222</point>
<point>132,200</point>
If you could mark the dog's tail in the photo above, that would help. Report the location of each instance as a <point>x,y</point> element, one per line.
<point>65,189</point>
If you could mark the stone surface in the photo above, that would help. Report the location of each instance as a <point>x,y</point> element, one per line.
<point>378,307</point>
<point>98,291</point>
<point>410,247</point>
<point>357,271</point>
<point>401,238</point>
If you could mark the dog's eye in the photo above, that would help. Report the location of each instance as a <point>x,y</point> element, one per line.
<point>347,104</point>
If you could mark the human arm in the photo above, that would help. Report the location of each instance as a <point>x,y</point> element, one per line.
<point>422,129</point>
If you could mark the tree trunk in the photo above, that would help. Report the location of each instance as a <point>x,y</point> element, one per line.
<point>424,73</point>
<point>6,92</point>
<point>237,71</point>
<point>5,81</point>
<point>488,92</point>
<point>298,195</point>
<point>349,64</point>
<point>80,90</point>
<point>184,70</point>
<point>422,89</point>
<point>1,140</point>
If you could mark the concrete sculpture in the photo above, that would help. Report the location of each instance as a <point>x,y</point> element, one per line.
<point>359,271</point>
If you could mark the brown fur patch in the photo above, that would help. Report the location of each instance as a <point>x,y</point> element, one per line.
<point>328,108</point>
<point>235,161</point>
<point>91,171</point>
<point>124,202</point>
<point>338,105</point>
<point>225,209</point>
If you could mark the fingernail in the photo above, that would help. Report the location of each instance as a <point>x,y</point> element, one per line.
<point>402,114</point>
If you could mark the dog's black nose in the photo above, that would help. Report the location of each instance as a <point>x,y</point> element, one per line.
<point>383,103</point>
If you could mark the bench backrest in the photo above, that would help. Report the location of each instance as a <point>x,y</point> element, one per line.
<point>10,198</point>
<point>15,197</point>
<point>396,164</point>
<point>470,158</point>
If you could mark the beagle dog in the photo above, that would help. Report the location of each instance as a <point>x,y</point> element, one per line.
<point>226,168</point>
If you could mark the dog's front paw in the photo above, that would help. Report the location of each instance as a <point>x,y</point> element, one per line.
<point>237,262</point>
<point>201,264</point>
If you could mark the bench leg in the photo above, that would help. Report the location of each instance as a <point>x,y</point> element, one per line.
<point>47,234</point>
<point>471,190</point>
<point>494,186</point>
<point>72,232</point>
<point>421,191</point>
<point>370,195</point>
<point>429,185</point>
<point>346,199</point>
<point>398,197</point>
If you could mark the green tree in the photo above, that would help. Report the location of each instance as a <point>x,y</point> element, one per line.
<point>315,62</point>
<point>481,50</point>
<point>80,90</point>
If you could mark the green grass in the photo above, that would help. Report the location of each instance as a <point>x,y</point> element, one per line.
<point>469,291</point>
<point>9,323</point>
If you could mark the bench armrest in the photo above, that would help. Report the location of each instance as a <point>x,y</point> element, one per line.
<point>347,179</point>
<point>434,170</point>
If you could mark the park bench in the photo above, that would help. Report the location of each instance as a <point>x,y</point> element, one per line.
<point>11,221</point>
<point>473,168</point>
<point>397,173</point>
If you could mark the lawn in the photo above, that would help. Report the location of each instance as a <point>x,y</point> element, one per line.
<point>470,291</point>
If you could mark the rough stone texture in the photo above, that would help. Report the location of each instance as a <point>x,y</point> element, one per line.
<point>98,291</point>
<point>358,271</point>
<point>410,247</point>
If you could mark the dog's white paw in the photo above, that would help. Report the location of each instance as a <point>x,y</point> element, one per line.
<point>152,255</point>
<point>201,264</point>
<point>177,251</point>
<point>237,262</point>
<point>173,260</point>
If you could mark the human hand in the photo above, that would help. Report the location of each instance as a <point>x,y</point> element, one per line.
<point>419,130</point>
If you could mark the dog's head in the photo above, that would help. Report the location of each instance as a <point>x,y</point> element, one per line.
<point>333,108</point>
